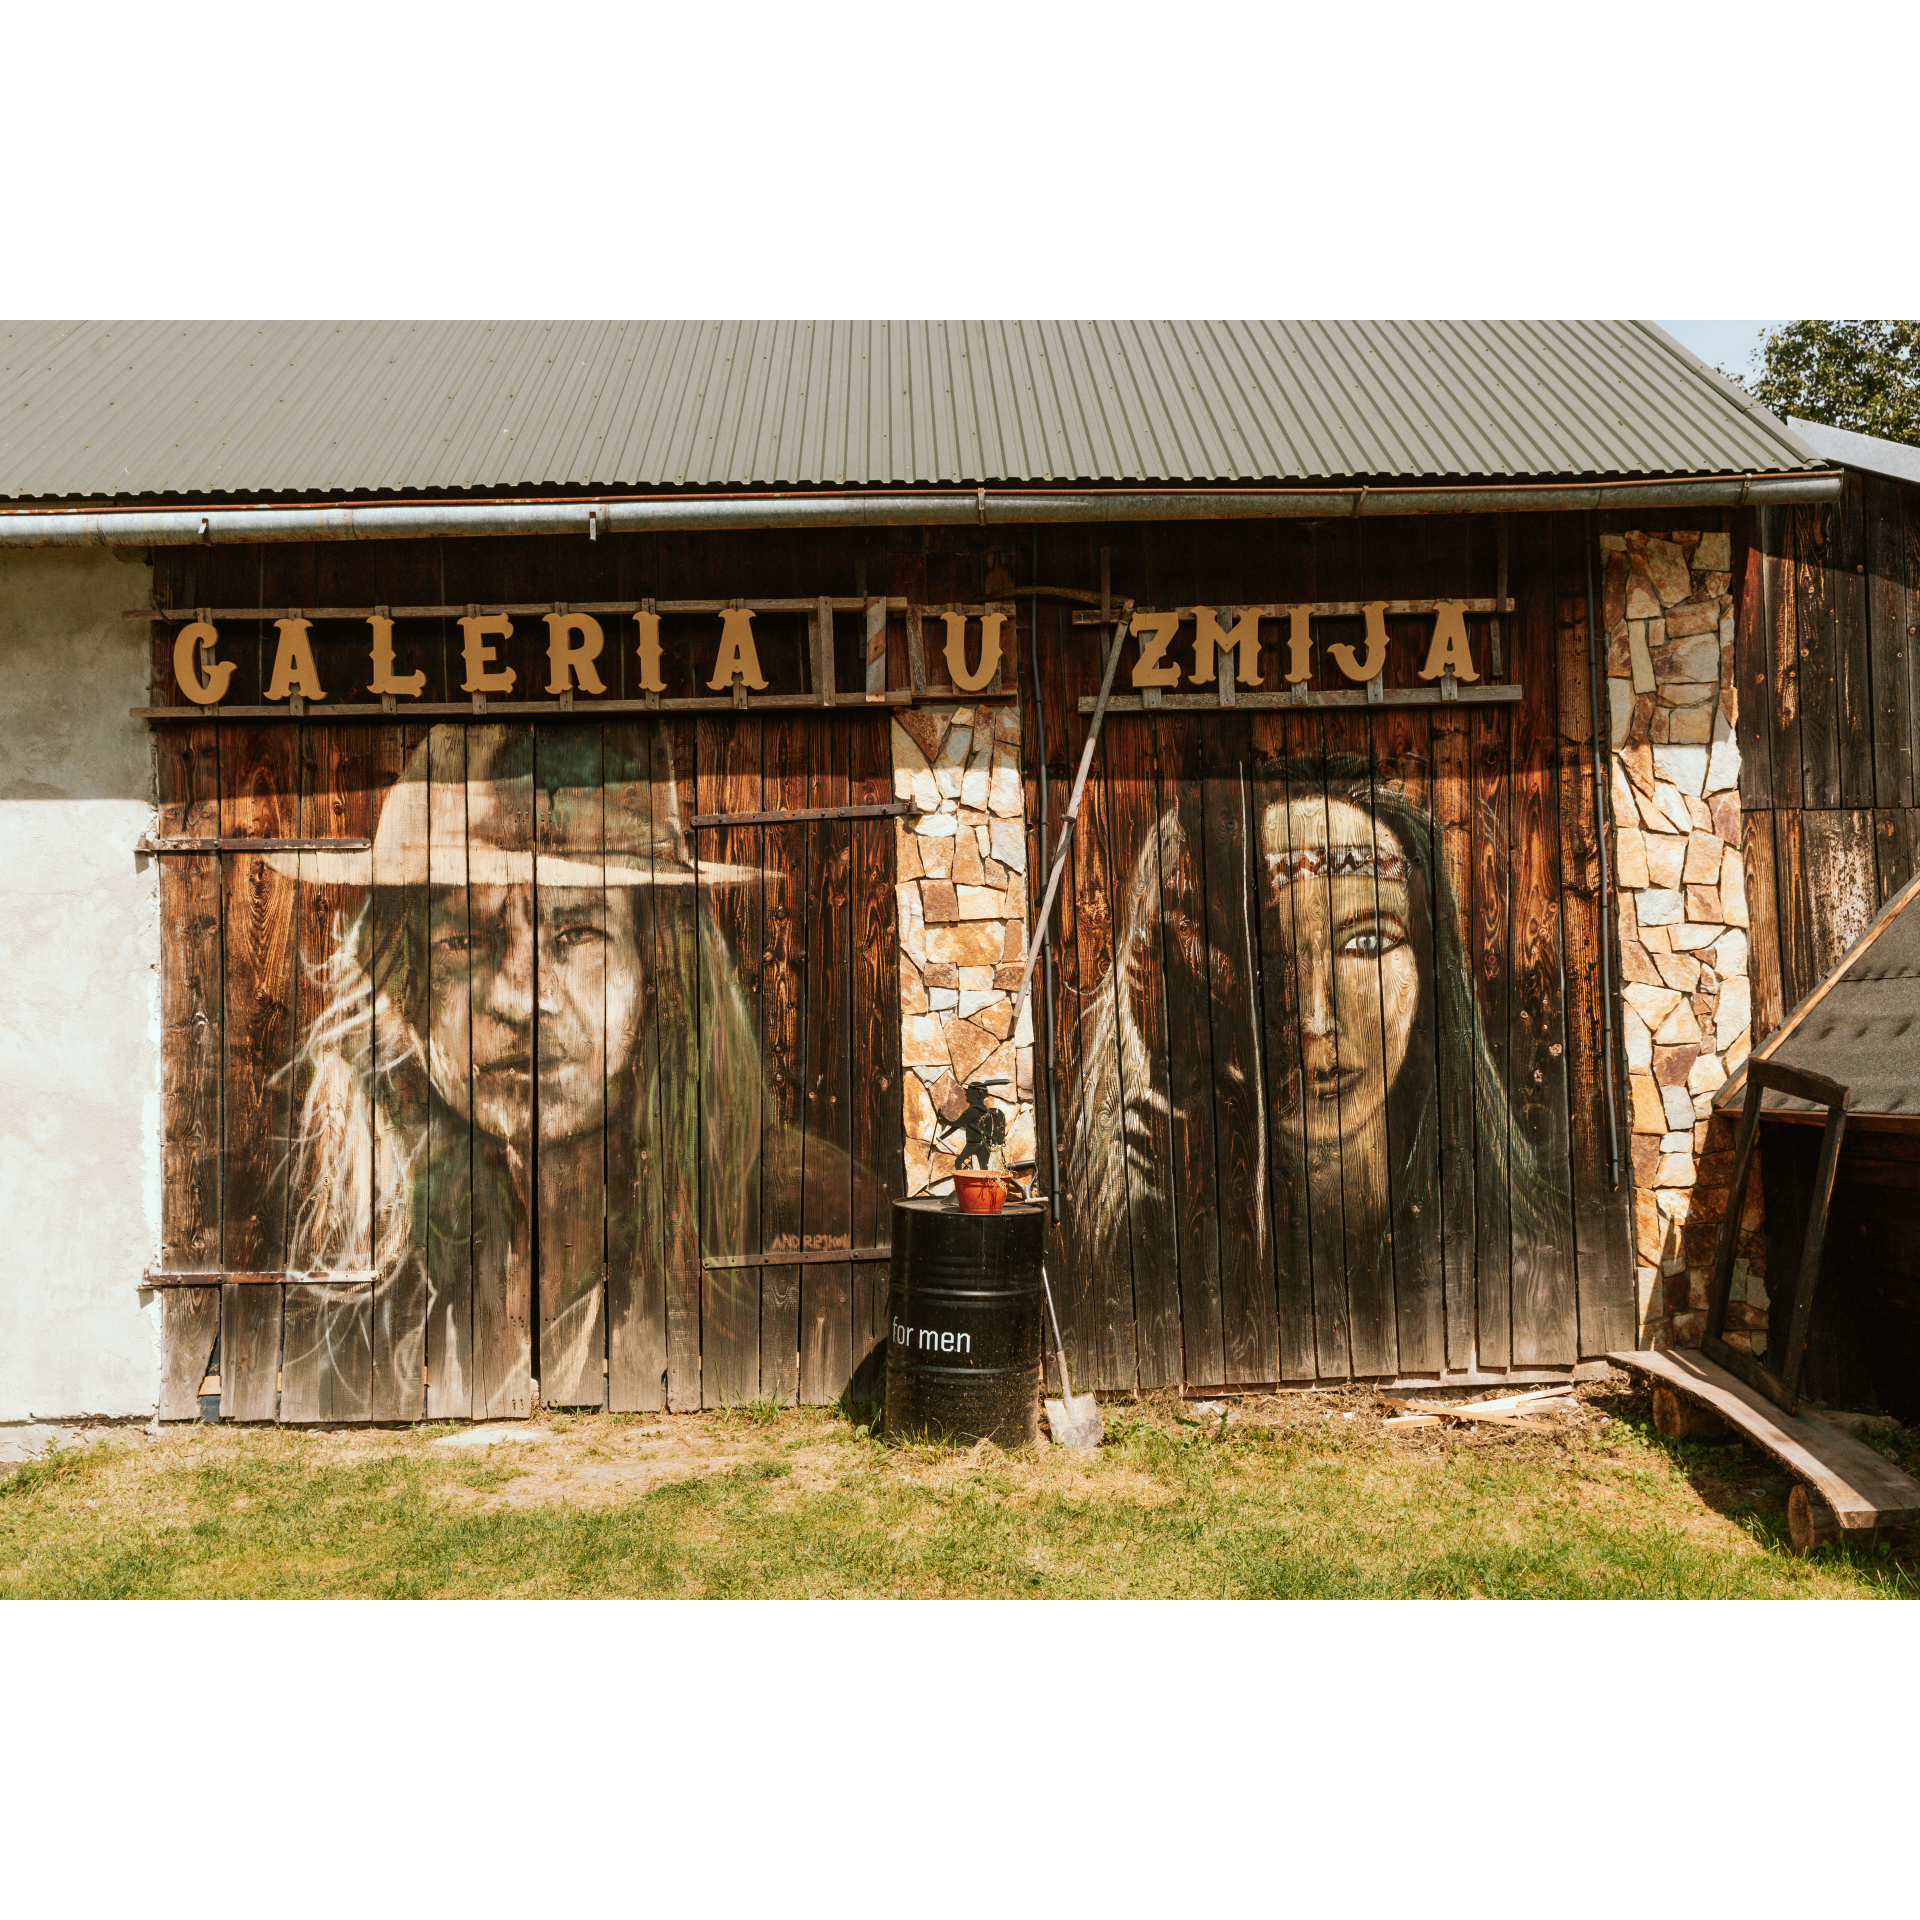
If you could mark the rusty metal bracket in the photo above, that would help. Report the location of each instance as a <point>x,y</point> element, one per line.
<point>193,843</point>
<point>776,819</point>
<point>796,1257</point>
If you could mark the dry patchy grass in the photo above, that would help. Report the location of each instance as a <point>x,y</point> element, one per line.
<point>1296,1494</point>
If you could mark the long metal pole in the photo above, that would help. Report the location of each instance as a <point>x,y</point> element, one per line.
<point>109,526</point>
<point>1601,776</point>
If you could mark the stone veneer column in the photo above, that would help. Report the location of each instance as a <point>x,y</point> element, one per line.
<point>1682,896</point>
<point>961,871</point>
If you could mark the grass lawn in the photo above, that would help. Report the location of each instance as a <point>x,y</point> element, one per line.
<point>1297,1494</point>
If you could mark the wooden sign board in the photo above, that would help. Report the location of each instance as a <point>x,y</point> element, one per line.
<point>525,661</point>
<point>1223,649</point>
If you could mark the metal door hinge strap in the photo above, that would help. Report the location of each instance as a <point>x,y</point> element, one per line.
<point>891,808</point>
<point>795,1257</point>
<point>189,843</point>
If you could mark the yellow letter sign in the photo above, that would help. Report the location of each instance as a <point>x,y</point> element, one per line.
<point>738,655</point>
<point>186,667</point>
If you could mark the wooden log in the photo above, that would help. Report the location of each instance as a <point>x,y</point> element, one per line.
<point>1754,578</point>
<point>1545,1332</point>
<point>1104,1345</point>
<point>1842,890</point>
<point>1190,1053</point>
<point>1896,842</point>
<point>191,1004</point>
<point>879,1166</point>
<point>1817,612</point>
<point>1770,1001</point>
<point>1280,1034</point>
<point>1453,812</point>
<point>398,928</point>
<point>590,978</point>
<point>1781,573</point>
<point>676,976</point>
<point>1140,1041</point>
<point>1491,955</point>
<point>1889,644</point>
<point>1677,1418</point>
<point>784,783</point>
<point>259,800</point>
<point>1402,766</point>
<point>1811,1523</point>
<point>249,1352</point>
<point>1602,1251</point>
<point>335,803</point>
<point>826,1205</point>
<point>1250,1331</point>
<point>444,1226</point>
<point>1852,654</point>
<point>189,1325</point>
<point>636,1251</point>
<point>728,778</point>
<point>504,990</point>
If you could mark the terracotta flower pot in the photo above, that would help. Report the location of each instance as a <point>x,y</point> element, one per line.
<point>980,1192</point>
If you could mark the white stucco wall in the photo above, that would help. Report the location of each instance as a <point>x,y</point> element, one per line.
<point>79,956</point>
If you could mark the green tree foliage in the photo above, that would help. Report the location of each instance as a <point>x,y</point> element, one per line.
<point>1859,374</point>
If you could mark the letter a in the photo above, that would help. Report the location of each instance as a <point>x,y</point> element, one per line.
<point>186,668</point>
<point>738,655</point>
<point>1450,652</point>
<point>293,668</point>
<point>1349,663</point>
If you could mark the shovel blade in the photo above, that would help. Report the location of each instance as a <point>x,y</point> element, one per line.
<point>1076,1422</point>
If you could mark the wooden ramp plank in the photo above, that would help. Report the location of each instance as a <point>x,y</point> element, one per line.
<point>1864,1489</point>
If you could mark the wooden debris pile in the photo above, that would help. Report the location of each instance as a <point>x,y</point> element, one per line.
<point>1544,1410</point>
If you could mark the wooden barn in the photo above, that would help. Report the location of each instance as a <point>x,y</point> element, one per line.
<point>600,779</point>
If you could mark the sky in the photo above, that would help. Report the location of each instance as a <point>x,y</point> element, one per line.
<point>1726,344</point>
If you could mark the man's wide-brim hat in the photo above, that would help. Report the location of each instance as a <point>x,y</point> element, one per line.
<point>491,807</point>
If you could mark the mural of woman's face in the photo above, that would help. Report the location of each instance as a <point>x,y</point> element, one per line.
<point>1344,913</point>
<point>572,955</point>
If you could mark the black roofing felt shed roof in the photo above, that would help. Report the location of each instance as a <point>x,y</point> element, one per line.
<point>1860,1026</point>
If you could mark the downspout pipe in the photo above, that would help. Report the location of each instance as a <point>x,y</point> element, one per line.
<point>109,526</point>
<point>1601,822</point>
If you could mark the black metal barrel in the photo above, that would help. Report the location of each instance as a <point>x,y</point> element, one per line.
<point>963,1323</point>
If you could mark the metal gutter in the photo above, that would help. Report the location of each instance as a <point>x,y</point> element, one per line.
<point>96,526</point>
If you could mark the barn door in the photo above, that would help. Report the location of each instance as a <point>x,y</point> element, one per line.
<point>484,1069</point>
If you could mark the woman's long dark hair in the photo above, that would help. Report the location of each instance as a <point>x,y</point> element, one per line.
<point>1467,1112</point>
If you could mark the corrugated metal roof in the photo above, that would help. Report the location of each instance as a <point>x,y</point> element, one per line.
<point>1863,450</point>
<point>146,409</point>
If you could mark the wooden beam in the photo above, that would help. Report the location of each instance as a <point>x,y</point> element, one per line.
<point>530,608</point>
<point>1324,609</point>
<point>587,709</point>
<point>1204,703</point>
<point>1864,1489</point>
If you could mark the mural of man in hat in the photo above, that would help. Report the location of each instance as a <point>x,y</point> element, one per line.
<point>533,1005</point>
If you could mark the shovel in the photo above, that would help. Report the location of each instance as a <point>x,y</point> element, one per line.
<point>1073,1420</point>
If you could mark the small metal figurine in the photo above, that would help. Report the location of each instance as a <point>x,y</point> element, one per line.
<point>984,1124</point>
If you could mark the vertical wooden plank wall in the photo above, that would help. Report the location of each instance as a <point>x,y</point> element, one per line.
<point>1829,729</point>
<point>1501,1241</point>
